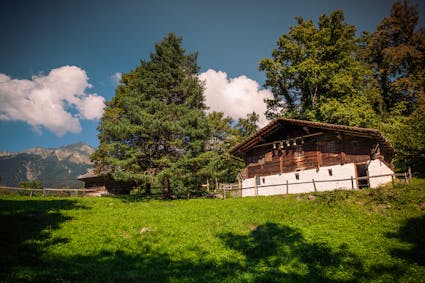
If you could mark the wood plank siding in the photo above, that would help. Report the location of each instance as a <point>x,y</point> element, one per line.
<point>328,149</point>
<point>290,145</point>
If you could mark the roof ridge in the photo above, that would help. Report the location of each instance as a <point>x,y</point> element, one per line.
<point>254,138</point>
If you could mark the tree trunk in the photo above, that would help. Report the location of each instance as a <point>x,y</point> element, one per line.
<point>166,188</point>
<point>148,188</point>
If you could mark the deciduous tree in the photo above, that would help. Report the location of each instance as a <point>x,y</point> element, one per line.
<point>312,64</point>
<point>396,52</point>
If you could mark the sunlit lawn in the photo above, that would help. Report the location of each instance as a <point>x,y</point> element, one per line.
<point>344,236</point>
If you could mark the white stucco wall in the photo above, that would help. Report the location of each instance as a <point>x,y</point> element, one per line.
<point>375,168</point>
<point>276,184</point>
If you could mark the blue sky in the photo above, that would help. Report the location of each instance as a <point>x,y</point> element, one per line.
<point>50,46</point>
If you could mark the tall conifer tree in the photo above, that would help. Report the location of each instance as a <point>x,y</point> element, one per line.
<point>155,125</point>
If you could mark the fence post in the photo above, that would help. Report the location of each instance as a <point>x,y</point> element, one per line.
<point>406,180</point>
<point>44,192</point>
<point>314,184</point>
<point>255,186</point>
<point>392,180</point>
<point>352,183</point>
<point>287,187</point>
<point>224,191</point>
<point>410,173</point>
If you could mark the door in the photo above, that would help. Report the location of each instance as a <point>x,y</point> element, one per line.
<point>362,172</point>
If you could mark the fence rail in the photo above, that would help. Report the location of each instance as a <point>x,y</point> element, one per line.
<point>226,189</point>
<point>222,190</point>
<point>47,191</point>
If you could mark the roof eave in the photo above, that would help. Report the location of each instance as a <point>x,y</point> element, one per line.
<point>246,145</point>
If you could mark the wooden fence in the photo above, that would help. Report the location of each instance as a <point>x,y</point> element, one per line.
<point>222,190</point>
<point>226,190</point>
<point>229,190</point>
<point>44,191</point>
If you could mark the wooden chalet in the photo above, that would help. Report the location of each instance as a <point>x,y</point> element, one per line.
<point>103,184</point>
<point>295,156</point>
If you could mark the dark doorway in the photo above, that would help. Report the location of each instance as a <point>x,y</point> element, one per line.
<point>361,173</point>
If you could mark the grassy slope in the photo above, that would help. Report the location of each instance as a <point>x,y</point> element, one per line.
<point>345,236</point>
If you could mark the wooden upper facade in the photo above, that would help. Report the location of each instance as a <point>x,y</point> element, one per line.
<point>289,145</point>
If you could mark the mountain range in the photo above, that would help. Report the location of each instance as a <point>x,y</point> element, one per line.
<point>53,167</point>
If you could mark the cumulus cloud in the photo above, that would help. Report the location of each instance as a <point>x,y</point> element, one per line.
<point>56,101</point>
<point>236,97</point>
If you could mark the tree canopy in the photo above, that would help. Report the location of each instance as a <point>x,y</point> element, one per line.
<point>155,131</point>
<point>311,64</point>
<point>155,126</point>
<point>327,73</point>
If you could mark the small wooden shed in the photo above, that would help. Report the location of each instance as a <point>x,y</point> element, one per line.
<point>103,184</point>
<point>295,156</point>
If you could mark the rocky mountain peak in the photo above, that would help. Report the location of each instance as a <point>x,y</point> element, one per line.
<point>54,167</point>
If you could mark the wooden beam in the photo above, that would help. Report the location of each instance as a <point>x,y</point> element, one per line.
<point>318,155</point>
<point>288,139</point>
<point>281,163</point>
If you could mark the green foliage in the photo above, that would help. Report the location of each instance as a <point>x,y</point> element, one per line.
<point>351,110</point>
<point>372,235</point>
<point>396,52</point>
<point>31,184</point>
<point>312,63</point>
<point>407,134</point>
<point>156,124</point>
<point>218,163</point>
<point>327,74</point>
<point>248,126</point>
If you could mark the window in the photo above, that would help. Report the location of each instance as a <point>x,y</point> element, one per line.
<point>264,180</point>
<point>330,172</point>
<point>331,147</point>
<point>297,176</point>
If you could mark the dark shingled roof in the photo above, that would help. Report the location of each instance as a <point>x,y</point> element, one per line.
<point>90,174</point>
<point>277,123</point>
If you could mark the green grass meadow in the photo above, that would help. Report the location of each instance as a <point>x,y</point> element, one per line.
<point>373,235</point>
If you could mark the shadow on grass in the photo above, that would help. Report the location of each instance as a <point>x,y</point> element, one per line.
<point>269,253</point>
<point>412,232</point>
<point>26,226</point>
<point>276,253</point>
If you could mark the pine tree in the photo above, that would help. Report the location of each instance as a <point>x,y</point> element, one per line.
<point>155,125</point>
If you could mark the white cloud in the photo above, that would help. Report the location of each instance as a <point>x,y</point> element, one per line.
<point>56,101</point>
<point>116,78</point>
<point>236,97</point>
<point>91,107</point>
